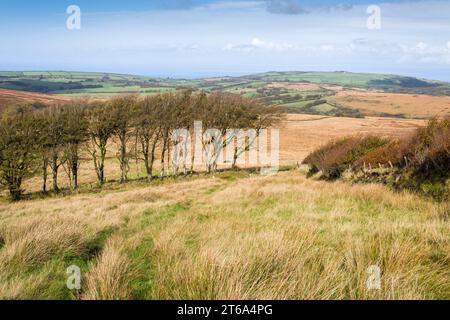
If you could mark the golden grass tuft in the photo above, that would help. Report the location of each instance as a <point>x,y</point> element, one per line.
<point>37,240</point>
<point>107,280</point>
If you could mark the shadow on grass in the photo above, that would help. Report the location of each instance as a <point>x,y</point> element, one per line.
<point>115,185</point>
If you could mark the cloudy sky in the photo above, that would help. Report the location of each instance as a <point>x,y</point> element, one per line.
<point>197,38</point>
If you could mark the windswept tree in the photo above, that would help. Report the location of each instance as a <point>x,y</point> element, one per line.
<point>148,130</point>
<point>19,134</point>
<point>43,148</point>
<point>198,108</point>
<point>76,133</point>
<point>183,124</point>
<point>53,141</point>
<point>255,117</point>
<point>232,120</point>
<point>123,109</point>
<point>208,112</point>
<point>102,125</point>
<point>159,123</point>
<point>170,106</point>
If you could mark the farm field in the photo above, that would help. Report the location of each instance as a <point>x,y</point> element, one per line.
<point>319,93</point>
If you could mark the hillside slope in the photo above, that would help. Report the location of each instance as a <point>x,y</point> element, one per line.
<point>12,97</point>
<point>234,236</point>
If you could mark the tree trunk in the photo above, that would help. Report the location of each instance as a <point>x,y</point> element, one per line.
<point>168,160</point>
<point>192,162</point>
<point>163,155</point>
<point>74,167</point>
<point>16,193</point>
<point>15,188</point>
<point>55,168</point>
<point>123,158</point>
<point>152,160</point>
<point>235,157</point>
<point>44,174</point>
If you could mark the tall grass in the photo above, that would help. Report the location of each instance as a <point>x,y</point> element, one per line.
<point>278,237</point>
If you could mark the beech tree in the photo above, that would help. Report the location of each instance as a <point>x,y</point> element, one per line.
<point>76,134</point>
<point>19,134</point>
<point>53,141</point>
<point>148,130</point>
<point>123,109</point>
<point>58,134</point>
<point>102,125</point>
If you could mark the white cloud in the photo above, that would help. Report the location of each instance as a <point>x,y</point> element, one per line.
<point>422,46</point>
<point>232,5</point>
<point>426,53</point>
<point>327,47</point>
<point>258,44</point>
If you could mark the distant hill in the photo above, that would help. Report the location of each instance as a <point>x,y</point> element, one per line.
<point>61,82</point>
<point>297,91</point>
<point>13,97</point>
<point>391,83</point>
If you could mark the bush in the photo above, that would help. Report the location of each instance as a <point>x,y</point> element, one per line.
<point>335,157</point>
<point>427,152</point>
<point>420,162</point>
<point>392,153</point>
<point>431,149</point>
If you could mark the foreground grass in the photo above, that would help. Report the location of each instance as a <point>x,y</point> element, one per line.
<point>235,236</point>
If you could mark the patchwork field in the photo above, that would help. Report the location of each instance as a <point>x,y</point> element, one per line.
<point>319,93</point>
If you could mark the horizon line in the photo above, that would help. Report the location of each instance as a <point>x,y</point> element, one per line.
<point>227,76</point>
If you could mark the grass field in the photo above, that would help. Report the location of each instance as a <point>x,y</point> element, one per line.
<point>409,105</point>
<point>234,236</point>
<point>301,134</point>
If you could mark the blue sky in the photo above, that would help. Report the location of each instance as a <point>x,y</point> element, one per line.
<point>198,38</point>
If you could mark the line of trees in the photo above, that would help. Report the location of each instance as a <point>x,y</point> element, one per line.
<point>53,138</point>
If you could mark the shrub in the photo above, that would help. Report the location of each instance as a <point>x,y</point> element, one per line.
<point>336,156</point>
<point>427,152</point>
<point>392,153</point>
<point>420,162</point>
<point>431,147</point>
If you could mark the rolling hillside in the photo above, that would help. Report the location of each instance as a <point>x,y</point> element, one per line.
<point>318,93</point>
<point>12,97</point>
